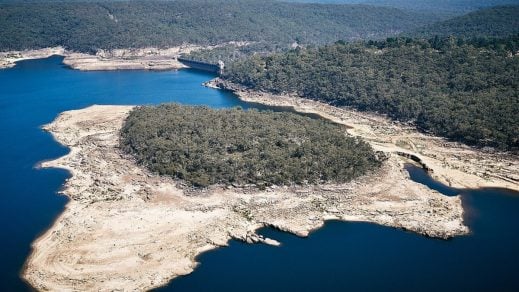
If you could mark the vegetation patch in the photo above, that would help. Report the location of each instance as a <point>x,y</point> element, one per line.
<point>500,21</point>
<point>88,26</point>
<point>205,146</point>
<point>466,90</point>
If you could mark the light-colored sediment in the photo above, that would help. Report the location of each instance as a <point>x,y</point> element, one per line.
<point>9,59</point>
<point>127,229</point>
<point>129,59</point>
<point>454,164</point>
<point>117,59</point>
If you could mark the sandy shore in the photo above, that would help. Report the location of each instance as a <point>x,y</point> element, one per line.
<point>129,59</point>
<point>9,59</point>
<point>454,164</point>
<point>118,59</point>
<point>127,229</point>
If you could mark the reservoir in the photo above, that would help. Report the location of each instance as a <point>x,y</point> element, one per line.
<point>340,256</point>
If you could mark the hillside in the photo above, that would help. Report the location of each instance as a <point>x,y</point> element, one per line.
<point>89,26</point>
<point>436,6</point>
<point>204,146</point>
<point>492,22</point>
<point>463,91</point>
<point>444,7</point>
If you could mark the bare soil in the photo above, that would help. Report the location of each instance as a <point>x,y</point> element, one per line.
<point>127,229</point>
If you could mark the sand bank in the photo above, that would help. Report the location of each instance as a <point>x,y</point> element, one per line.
<point>129,59</point>
<point>127,229</point>
<point>9,59</point>
<point>117,59</point>
<point>454,164</point>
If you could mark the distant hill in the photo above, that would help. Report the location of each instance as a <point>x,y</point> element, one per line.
<point>499,21</point>
<point>438,6</point>
<point>90,26</point>
<point>432,6</point>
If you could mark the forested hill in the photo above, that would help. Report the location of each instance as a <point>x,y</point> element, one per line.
<point>496,22</point>
<point>445,7</point>
<point>501,21</point>
<point>463,91</point>
<point>435,6</point>
<point>89,26</point>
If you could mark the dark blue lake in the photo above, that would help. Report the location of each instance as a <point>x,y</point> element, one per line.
<point>341,256</point>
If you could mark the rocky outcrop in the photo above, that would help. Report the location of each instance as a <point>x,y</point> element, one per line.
<point>120,59</point>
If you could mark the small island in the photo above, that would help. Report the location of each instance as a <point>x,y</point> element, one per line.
<point>128,227</point>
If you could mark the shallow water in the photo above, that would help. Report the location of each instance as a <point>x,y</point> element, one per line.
<point>340,256</point>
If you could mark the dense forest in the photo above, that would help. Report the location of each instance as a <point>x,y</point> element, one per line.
<point>234,52</point>
<point>449,7</point>
<point>89,26</point>
<point>501,21</point>
<point>205,146</point>
<point>435,6</point>
<point>464,90</point>
<point>486,23</point>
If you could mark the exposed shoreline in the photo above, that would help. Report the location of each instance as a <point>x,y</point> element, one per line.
<point>128,59</point>
<point>117,59</point>
<point>125,228</point>
<point>9,59</point>
<point>451,163</point>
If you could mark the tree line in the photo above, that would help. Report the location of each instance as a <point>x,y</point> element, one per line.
<point>89,26</point>
<point>465,90</point>
<point>485,25</point>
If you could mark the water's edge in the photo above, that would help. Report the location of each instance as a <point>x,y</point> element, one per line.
<point>470,199</point>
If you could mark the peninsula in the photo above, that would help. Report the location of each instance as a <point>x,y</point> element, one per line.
<point>127,228</point>
<point>151,188</point>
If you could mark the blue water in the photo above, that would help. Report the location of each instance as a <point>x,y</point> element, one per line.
<point>32,94</point>
<point>340,256</point>
<point>345,256</point>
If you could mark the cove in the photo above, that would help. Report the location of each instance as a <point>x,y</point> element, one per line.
<point>352,256</point>
<point>340,256</point>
